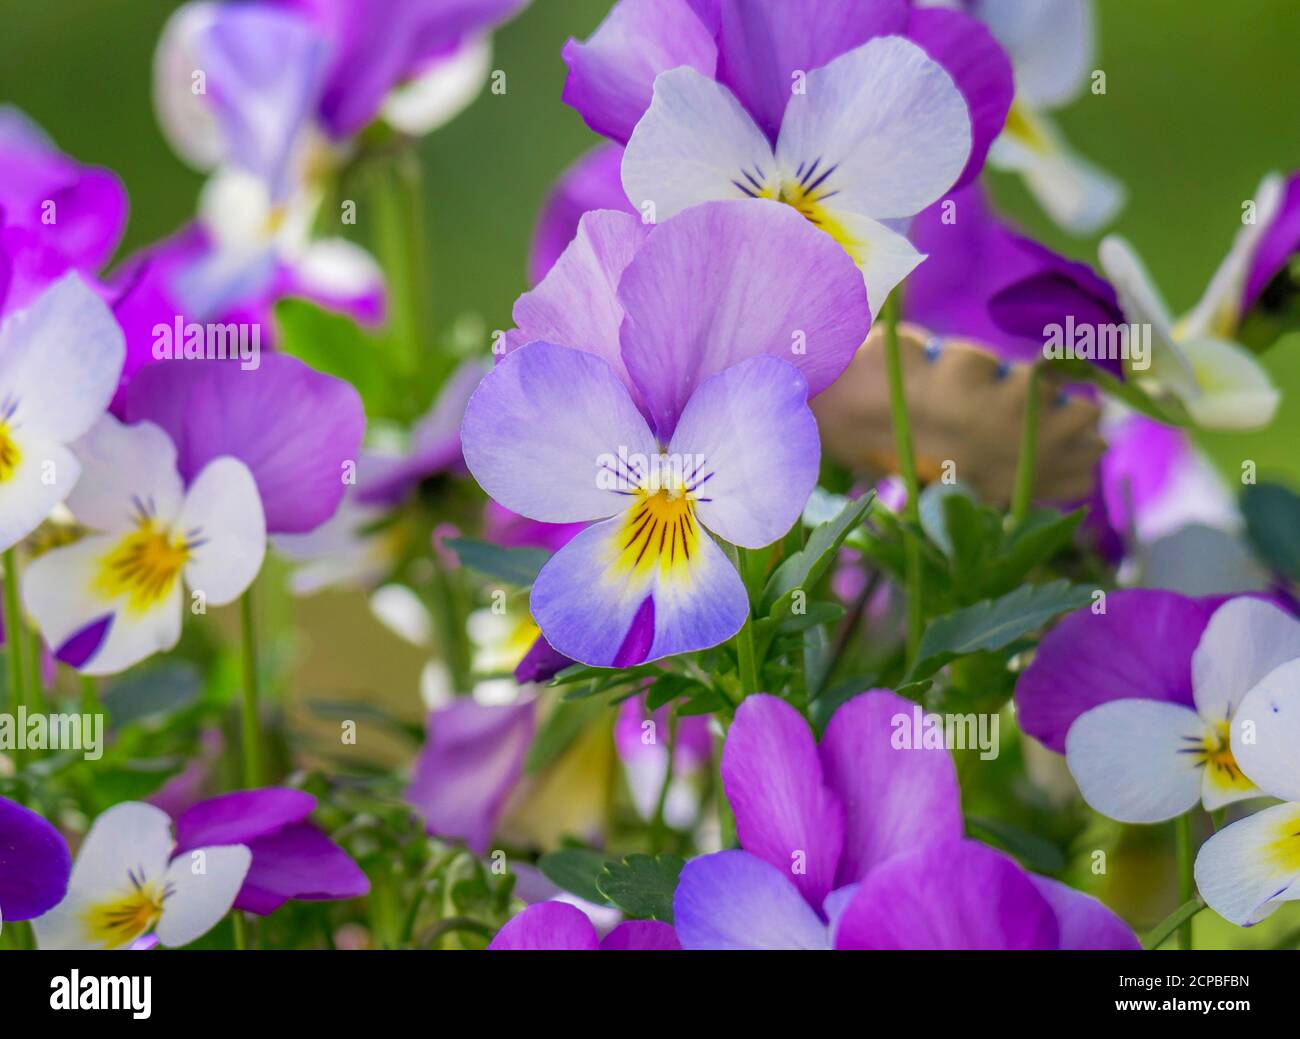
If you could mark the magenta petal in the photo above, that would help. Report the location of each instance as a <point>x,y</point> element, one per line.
<point>295,428</point>
<point>640,935</point>
<point>1140,648</point>
<point>541,663</point>
<point>593,182</point>
<point>980,68</point>
<point>298,862</point>
<point>240,817</point>
<point>761,45</point>
<point>472,757</point>
<point>895,800</point>
<point>1085,923</point>
<point>34,863</point>
<point>785,812</point>
<point>959,895</point>
<point>726,281</point>
<point>548,926</point>
<point>612,74</point>
<point>1276,246</point>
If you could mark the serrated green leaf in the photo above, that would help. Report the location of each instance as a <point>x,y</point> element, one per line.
<point>575,870</point>
<point>514,566</point>
<point>642,886</point>
<point>155,691</point>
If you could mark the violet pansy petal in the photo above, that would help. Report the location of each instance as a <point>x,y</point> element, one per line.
<point>34,863</point>
<point>753,450</point>
<point>242,816</point>
<point>762,45</point>
<point>785,812</point>
<point>641,935</point>
<point>552,434</point>
<point>1139,648</point>
<point>735,900</point>
<point>472,758</point>
<point>612,73</point>
<point>295,428</point>
<point>593,182</point>
<point>895,800</point>
<point>576,305</point>
<point>959,895</point>
<point>298,862</point>
<point>1276,246</point>
<point>603,601</point>
<point>548,926</point>
<point>541,663</point>
<point>1084,922</point>
<point>729,280</point>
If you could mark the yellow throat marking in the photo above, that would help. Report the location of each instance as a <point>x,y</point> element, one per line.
<point>144,566</point>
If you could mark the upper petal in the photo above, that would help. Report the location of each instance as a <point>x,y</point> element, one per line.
<point>225,529</point>
<point>1266,733</point>
<point>1245,639</point>
<point>1050,42</point>
<point>895,800</point>
<point>242,816</point>
<point>786,814</point>
<point>548,925</point>
<point>729,280</point>
<point>593,182</point>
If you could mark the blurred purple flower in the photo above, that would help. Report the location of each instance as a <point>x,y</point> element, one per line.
<point>559,926</point>
<point>593,182</point>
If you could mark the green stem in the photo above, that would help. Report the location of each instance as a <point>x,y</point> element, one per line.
<point>907,469</point>
<point>90,702</point>
<point>250,717</point>
<point>1024,487</point>
<point>748,660</point>
<point>13,632</point>
<point>1180,917</point>
<point>726,817</point>
<point>35,684</point>
<point>1186,882</point>
<point>241,929</point>
<point>657,825</point>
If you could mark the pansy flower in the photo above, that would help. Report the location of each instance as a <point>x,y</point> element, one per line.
<point>856,842</point>
<point>126,884</point>
<point>59,364</point>
<point>668,407</point>
<point>1142,698</point>
<point>34,864</point>
<point>115,596</point>
<point>291,857</point>
<point>558,926</point>
<point>1247,870</point>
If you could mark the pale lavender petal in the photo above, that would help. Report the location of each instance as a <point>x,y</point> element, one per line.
<point>895,800</point>
<point>548,926</point>
<point>1139,648</point>
<point>1085,923</point>
<point>34,863</point>
<point>295,428</point>
<point>593,182</point>
<point>1279,243</point>
<point>735,900</point>
<point>960,895</point>
<point>612,74</point>
<point>472,758</point>
<point>785,812</point>
<point>726,281</point>
<point>641,935</point>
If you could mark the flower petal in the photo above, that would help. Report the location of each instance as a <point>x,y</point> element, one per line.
<point>1142,304</point>
<point>1266,732</point>
<point>1233,389</point>
<point>1246,870</point>
<point>730,280</point>
<point>42,474</point>
<point>130,835</point>
<point>226,530</point>
<point>786,813</point>
<point>735,900</point>
<point>298,862</point>
<point>593,182</point>
<point>544,431</point>
<point>641,935</point>
<point>340,276</point>
<point>1138,761</point>
<point>34,863</point>
<point>895,800</point>
<point>1245,639</point>
<point>1085,922</point>
<point>548,926</point>
<point>1050,42</point>
<point>202,887</point>
<point>888,124</point>
<point>1279,242</point>
<point>755,448</point>
<point>241,817</point>
<point>124,467</point>
<point>959,895</point>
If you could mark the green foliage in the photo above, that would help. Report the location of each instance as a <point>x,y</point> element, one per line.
<point>1273,524</point>
<point>514,566</point>
<point>642,886</point>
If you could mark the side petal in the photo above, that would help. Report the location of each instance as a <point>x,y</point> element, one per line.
<point>1247,870</point>
<point>1138,761</point>
<point>1084,921</point>
<point>1245,639</point>
<point>1266,733</point>
<point>884,256</point>
<point>887,122</point>
<point>786,814</point>
<point>960,895</point>
<point>754,450</point>
<point>611,75</point>
<point>121,466</point>
<point>40,475</point>
<point>225,530</point>
<point>548,926</point>
<point>34,863</point>
<point>695,144</point>
<point>729,280</point>
<point>895,800</point>
<point>1233,390</point>
<point>1142,304</point>
<point>551,433</point>
<point>202,887</point>
<point>298,862</point>
<point>735,900</point>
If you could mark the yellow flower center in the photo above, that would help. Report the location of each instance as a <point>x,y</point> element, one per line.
<point>120,921</point>
<point>1284,849</point>
<point>660,529</point>
<point>10,456</point>
<point>805,196</point>
<point>144,566</point>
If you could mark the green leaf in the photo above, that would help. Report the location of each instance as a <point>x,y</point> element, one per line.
<point>514,566</point>
<point>563,725</point>
<point>642,886</point>
<point>1035,853</point>
<point>816,615</point>
<point>1273,524</point>
<point>154,692</point>
<point>575,870</point>
<point>994,623</point>
<point>669,688</point>
<point>706,701</point>
<point>333,344</point>
<point>1159,934</point>
<point>804,568</point>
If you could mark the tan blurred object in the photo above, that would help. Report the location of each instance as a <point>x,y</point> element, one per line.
<point>966,408</point>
